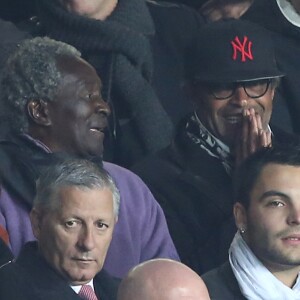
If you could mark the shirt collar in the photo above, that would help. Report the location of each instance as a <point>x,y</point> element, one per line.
<point>76,288</point>
<point>38,143</point>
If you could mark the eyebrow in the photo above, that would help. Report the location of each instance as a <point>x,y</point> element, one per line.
<point>273,193</point>
<point>76,217</point>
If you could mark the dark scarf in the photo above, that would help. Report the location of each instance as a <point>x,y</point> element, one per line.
<point>200,136</point>
<point>119,49</point>
<point>22,160</point>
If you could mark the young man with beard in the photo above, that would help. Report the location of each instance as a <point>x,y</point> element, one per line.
<point>51,102</point>
<point>231,79</point>
<point>264,257</point>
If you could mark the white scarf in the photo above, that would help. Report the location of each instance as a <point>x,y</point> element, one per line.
<point>256,282</point>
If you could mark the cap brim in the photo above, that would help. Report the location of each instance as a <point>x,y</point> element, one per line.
<point>228,78</point>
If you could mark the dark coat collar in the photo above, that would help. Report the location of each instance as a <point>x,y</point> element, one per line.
<point>48,284</point>
<point>196,165</point>
<point>229,279</point>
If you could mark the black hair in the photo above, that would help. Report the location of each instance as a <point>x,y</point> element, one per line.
<point>249,171</point>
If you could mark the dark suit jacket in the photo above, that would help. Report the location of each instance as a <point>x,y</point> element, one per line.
<point>222,285</point>
<point>30,277</point>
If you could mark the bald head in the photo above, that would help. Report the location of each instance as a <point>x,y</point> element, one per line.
<point>162,279</point>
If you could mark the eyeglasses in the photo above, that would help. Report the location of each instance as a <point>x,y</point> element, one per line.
<point>253,89</point>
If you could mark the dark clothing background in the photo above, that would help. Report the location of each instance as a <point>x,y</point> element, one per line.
<point>10,36</point>
<point>16,10</point>
<point>5,253</point>
<point>176,27</point>
<point>222,284</point>
<point>196,195</point>
<point>30,277</point>
<point>287,49</point>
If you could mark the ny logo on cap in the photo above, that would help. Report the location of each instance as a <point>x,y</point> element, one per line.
<point>241,47</point>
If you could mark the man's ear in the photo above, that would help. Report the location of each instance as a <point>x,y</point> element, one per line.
<point>36,220</point>
<point>240,216</point>
<point>38,111</point>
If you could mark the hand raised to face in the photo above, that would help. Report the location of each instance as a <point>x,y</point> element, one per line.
<point>252,135</point>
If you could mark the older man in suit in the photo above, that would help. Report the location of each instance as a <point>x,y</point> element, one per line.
<point>73,218</point>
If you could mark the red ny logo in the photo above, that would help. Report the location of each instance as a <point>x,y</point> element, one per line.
<point>241,47</point>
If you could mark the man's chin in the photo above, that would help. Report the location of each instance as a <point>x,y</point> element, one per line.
<point>92,153</point>
<point>81,278</point>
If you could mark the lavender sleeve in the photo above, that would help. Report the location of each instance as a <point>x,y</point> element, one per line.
<point>141,232</point>
<point>14,217</point>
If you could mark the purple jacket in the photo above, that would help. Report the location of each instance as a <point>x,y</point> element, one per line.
<point>140,234</point>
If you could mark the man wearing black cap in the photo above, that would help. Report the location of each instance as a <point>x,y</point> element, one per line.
<point>231,79</point>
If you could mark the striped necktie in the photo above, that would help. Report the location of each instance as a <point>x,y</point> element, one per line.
<point>87,293</point>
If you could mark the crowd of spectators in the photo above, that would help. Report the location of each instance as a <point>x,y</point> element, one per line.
<point>199,99</point>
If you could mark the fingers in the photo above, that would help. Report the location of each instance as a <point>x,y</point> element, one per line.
<point>254,132</point>
<point>263,138</point>
<point>265,135</point>
<point>253,135</point>
<point>260,137</point>
<point>269,138</point>
<point>266,139</point>
<point>242,139</point>
<point>259,122</point>
<point>245,134</point>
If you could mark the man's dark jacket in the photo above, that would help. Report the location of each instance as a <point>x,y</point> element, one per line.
<point>5,253</point>
<point>196,195</point>
<point>222,284</point>
<point>30,277</point>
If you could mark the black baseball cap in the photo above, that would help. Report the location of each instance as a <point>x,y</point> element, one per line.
<point>232,50</point>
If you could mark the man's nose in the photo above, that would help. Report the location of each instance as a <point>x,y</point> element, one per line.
<point>102,106</point>
<point>86,239</point>
<point>240,97</point>
<point>294,216</point>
